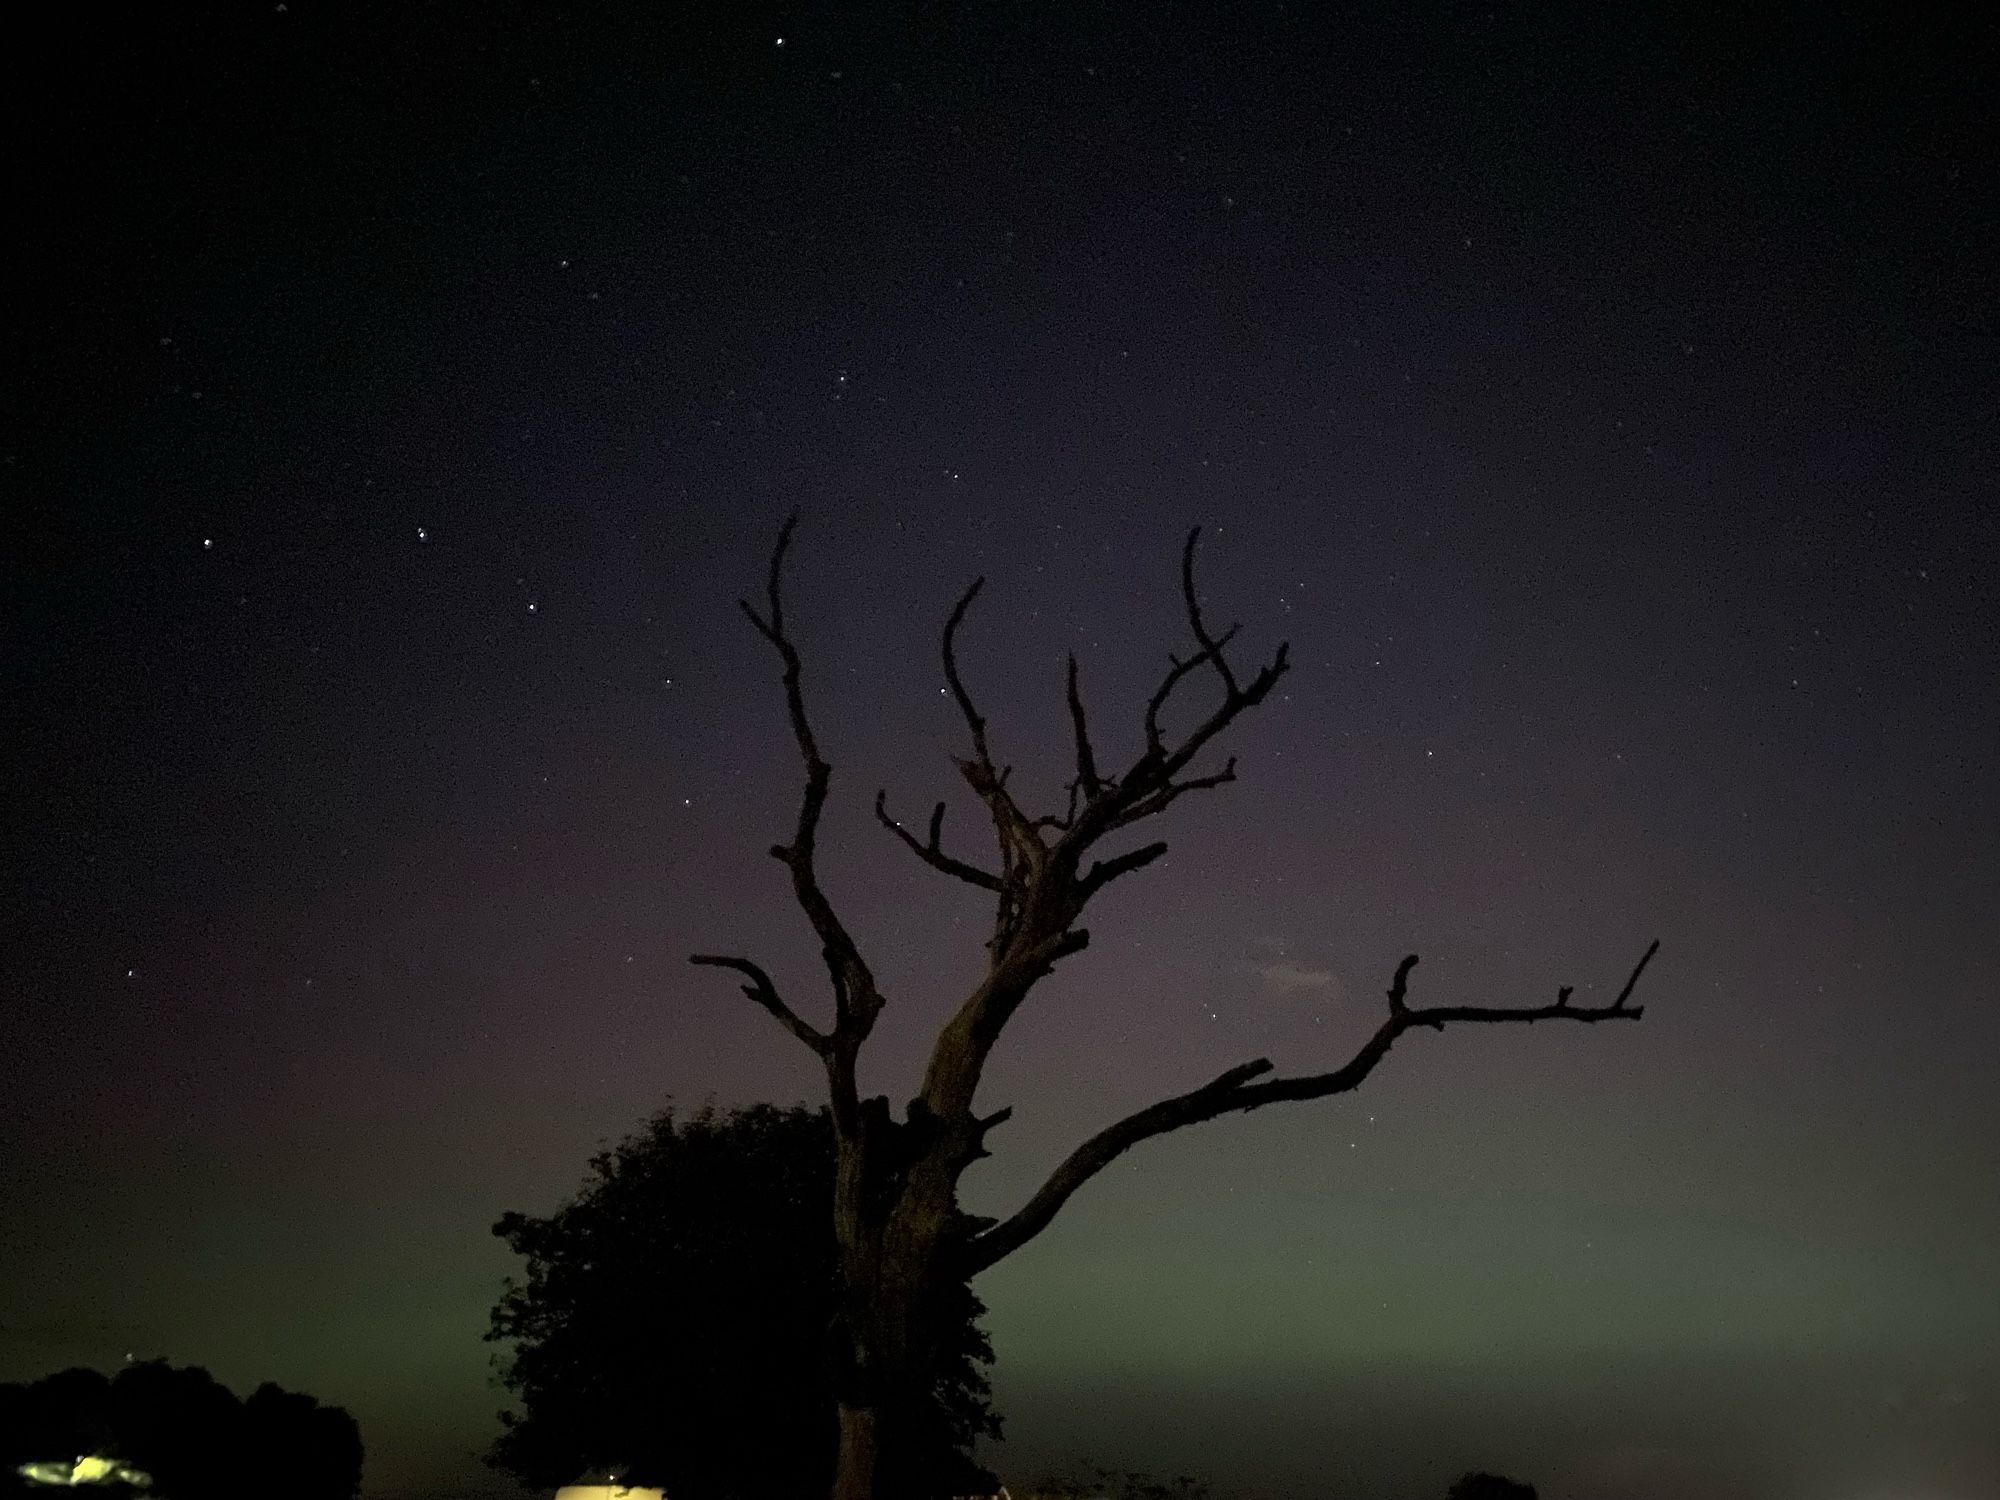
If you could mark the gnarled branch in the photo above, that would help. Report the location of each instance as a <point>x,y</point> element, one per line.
<point>1159,801</point>
<point>1156,769</point>
<point>1177,669</point>
<point>931,852</point>
<point>765,993</point>
<point>1238,1090</point>
<point>1044,885</point>
<point>856,999</point>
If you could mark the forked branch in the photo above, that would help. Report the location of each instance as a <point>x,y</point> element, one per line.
<point>1211,648</point>
<point>930,851</point>
<point>1045,884</point>
<point>856,1000</point>
<point>1017,835</point>
<point>1240,1090</point>
<point>1162,763</point>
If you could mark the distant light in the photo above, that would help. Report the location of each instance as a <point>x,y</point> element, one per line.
<point>86,1469</point>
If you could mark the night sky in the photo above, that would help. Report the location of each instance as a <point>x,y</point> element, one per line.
<point>398,398</point>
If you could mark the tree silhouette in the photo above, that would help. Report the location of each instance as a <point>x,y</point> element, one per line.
<point>900,1232</point>
<point>673,1322</point>
<point>177,1434</point>
<point>1094,1481</point>
<point>1489,1487</point>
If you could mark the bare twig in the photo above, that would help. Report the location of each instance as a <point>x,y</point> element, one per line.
<point>772,628</point>
<point>1086,759</point>
<point>973,720</point>
<point>1632,982</point>
<point>1211,648</point>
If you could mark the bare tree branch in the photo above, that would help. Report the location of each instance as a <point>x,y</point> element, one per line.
<point>1177,669</point>
<point>1226,713</point>
<point>772,628</point>
<point>1237,1091</point>
<point>973,719</point>
<point>765,993</point>
<point>1022,852</point>
<point>1044,886</point>
<point>1161,763</point>
<point>1087,781</point>
<point>857,1001</point>
<point>1632,980</point>
<point>1211,648</point>
<point>1104,871</point>
<point>1159,801</point>
<point>930,852</point>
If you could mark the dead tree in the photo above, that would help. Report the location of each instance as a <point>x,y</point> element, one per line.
<point>901,1233</point>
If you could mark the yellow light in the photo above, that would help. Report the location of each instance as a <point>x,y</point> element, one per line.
<point>88,1468</point>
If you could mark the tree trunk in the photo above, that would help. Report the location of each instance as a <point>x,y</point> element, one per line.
<point>854,1471</point>
<point>889,1215</point>
<point>886,1368</point>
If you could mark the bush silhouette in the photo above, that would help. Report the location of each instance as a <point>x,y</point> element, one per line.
<point>1484,1486</point>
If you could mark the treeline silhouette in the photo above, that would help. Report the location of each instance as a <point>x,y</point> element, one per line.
<point>1489,1487</point>
<point>1093,1481</point>
<point>177,1434</point>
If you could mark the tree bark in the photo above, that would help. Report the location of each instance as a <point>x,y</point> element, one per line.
<point>890,1362</point>
<point>854,1471</point>
<point>887,1255</point>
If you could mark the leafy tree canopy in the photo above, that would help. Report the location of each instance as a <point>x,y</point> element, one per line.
<point>672,1324</point>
